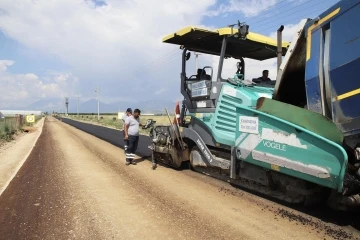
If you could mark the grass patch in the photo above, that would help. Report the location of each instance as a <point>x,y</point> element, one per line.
<point>8,127</point>
<point>37,118</point>
<point>113,122</point>
<point>12,125</point>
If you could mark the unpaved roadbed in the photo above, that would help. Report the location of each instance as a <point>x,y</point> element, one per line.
<point>75,186</point>
<point>14,153</point>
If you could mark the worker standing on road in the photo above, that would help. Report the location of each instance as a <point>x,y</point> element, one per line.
<point>127,114</point>
<point>131,129</point>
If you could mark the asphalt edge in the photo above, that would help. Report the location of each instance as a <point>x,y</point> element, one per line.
<point>94,135</point>
<point>91,123</point>
<point>21,163</point>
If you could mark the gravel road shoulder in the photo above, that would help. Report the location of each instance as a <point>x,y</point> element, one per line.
<point>13,154</point>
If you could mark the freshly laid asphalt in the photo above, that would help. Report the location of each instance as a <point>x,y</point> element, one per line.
<point>112,136</point>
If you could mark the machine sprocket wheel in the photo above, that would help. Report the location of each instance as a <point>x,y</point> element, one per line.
<point>197,153</point>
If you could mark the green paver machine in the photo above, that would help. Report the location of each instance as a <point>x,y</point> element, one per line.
<point>296,138</point>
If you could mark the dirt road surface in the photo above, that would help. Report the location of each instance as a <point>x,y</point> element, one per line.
<point>13,154</point>
<point>76,186</point>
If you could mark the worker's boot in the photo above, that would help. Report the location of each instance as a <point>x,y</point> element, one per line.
<point>154,165</point>
<point>132,159</point>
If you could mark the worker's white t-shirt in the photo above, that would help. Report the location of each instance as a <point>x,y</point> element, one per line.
<point>123,118</point>
<point>133,125</point>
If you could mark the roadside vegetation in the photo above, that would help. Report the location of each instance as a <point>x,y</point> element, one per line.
<point>9,126</point>
<point>112,121</point>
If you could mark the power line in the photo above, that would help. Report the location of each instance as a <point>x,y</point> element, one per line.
<point>160,59</point>
<point>256,14</point>
<point>164,58</point>
<point>316,11</point>
<point>261,20</point>
<point>169,62</point>
<point>296,17</point>
<point>169,57</point>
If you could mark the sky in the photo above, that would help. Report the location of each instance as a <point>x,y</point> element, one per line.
<point>66,48</point>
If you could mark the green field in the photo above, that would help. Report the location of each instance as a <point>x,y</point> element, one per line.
<point>7,127</point>
<point>10,125</point>
<point>113,121</point>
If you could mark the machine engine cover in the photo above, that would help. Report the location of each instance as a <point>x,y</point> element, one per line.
<point>162,139</point>
<point>162,134</point>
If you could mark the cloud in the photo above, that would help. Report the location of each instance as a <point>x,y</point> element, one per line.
<point>110,43</point>
<point>253,68</point>
<point>4,64</point>
<point>103,42</point>
<point>160,91</point>
<point>296,2</point>
<point>20,90</point>
<point>105,36</point>
<point>246,7</point>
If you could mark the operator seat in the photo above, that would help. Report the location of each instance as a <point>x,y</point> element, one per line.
<point>201,74</point>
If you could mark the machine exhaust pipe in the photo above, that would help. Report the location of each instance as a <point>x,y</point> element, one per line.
<point>279,46</point>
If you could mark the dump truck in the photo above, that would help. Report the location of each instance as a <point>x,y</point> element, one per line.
<point>297,138</point>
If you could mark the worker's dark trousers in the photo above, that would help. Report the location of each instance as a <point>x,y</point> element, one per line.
<point>126,141</point>
<point>132,146</point>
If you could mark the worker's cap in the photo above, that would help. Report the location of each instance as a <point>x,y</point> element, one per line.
<point>129,110</point>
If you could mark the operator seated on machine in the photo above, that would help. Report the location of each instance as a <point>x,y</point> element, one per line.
<point>201,74</point>
<point>263,78</point>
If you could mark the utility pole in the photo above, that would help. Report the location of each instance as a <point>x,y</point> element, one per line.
<point>196,60</point>
<point>67,105</point>
<point>97,90</point>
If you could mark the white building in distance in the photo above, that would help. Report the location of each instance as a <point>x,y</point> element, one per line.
<point>20,112</point>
